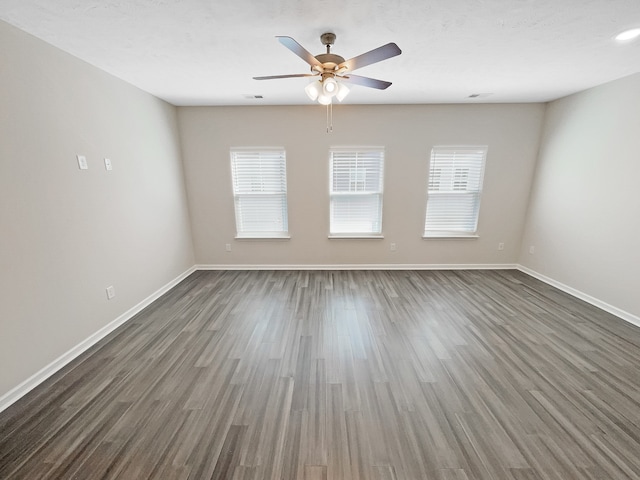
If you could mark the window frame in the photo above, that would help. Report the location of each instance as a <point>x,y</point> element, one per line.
<point>455,180</point>
<point>248,152</point>
<point>378,193</point>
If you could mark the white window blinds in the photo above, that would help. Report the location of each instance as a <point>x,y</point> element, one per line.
<point>260,192</point>
<point>454,188</point>
<point>356,191</point>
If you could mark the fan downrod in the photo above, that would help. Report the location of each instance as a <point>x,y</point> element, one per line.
<point>329,60</point>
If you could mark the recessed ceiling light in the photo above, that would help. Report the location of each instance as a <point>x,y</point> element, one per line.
<point>628,35</point>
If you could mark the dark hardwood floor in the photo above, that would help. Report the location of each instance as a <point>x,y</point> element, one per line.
<point>325,375</point>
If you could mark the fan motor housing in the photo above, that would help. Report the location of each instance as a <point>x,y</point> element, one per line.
<point>331,58</point>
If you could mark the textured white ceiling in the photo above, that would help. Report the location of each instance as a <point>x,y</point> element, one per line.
<point>205,52</point>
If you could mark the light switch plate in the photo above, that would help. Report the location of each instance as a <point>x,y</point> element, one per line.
<point>82,162</point>
<point>107,164</point>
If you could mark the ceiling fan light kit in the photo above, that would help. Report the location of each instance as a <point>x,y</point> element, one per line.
<point>325,90</point>
<point>334,70</point>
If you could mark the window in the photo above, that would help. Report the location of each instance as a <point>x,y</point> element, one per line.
<point>453,192</point>
<point>356,191</point>
<point>260,193</point>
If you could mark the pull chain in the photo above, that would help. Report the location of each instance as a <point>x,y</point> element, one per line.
<point>330,118</point>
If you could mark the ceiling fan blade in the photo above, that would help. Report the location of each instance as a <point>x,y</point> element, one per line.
<point>299,50</point>
<point>293,75</point>
<point>366,82</point>
<point>376,55</point>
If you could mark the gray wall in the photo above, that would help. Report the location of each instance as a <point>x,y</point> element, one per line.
<point>584,213</point>
<point>407,132</point>
<point>67,234</point>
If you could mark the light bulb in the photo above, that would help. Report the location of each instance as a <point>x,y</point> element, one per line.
<point>324,99</point>
<point>329,86</point>
<point>628,35</point>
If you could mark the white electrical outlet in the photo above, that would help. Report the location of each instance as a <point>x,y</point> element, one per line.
<point>501,246</point>
<point>227,247</point>
<point>107,164</point>
<point>82,162</point>
<point>532,249</point>
<point>394,247</point>
<point>111,292</point>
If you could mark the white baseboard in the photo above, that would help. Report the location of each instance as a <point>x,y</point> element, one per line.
<point>30,383</point>
<point>399,266</point>
<point>628,317</point>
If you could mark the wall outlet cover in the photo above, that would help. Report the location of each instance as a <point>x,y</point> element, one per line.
<point>111,292</point>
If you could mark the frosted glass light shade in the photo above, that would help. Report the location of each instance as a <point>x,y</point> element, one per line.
<point>313,89</point>
<point>324,99</point>
<point>343,91</point>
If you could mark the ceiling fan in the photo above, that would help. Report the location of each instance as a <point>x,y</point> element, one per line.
<point>330,68</point>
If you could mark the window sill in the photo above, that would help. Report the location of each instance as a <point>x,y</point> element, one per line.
<point>436,236</point>
<point>263,237</point>
<point>355,236</point>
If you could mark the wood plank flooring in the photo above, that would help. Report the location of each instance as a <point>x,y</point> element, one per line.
<point>326,375</point>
